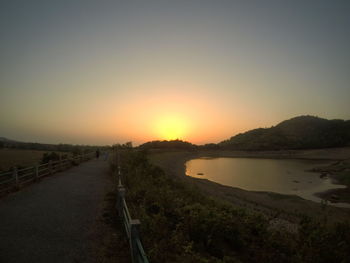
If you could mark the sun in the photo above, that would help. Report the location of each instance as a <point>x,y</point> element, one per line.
<point>171,127</point>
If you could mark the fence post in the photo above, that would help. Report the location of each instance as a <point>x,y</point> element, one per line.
<point>134,235</point>
<point>116,157</point>
<point>50,167</point>
<point>64,164</point>
<point>60,168</point>
<point>15,177</point>
<point>118,179</point>
<point>120,198</point>
<point>36,172</point>
<point>69,161</point>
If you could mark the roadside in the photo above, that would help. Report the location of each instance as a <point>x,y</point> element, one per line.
<point>108,240</point>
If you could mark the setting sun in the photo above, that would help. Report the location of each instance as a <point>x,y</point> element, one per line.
<point>171,127</point>
<point>220,128</point>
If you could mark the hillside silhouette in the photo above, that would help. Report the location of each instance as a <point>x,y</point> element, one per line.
<point>62,147</point>
<point>172,144</point>
<point>303,132</point>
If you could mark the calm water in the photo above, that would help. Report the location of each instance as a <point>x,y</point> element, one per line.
<point>273,175</point>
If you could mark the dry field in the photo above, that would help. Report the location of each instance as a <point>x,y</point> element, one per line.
<point>19,157</point>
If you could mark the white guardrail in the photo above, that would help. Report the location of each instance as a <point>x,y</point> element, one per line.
<point>138,254</point>
<point>14,179</point>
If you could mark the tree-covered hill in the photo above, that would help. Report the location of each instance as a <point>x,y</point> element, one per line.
<point>301,132</point>
<point>12,144</point>
<point>173,144</point>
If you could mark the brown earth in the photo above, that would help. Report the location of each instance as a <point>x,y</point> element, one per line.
<point>20,157</point>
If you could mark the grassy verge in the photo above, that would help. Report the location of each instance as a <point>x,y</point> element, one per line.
<point>109,243</point>
<point>180,224</point>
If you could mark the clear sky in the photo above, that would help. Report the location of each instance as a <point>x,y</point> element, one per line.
<point>101,72</point>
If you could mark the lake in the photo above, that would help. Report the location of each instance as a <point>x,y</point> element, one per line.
<point>282,176</point>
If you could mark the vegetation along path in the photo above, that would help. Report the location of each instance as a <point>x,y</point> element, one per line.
<point>55,220</point>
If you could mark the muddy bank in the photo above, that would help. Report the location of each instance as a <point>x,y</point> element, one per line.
<point>319,154</point>
<point>336,195</point>
<point>339,172</point>
<point>288,207</point>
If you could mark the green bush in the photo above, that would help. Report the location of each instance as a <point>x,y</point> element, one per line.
<point>49,157</point>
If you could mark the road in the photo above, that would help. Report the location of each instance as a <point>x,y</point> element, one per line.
<point>55,219</point>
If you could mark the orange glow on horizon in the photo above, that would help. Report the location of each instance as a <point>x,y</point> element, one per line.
<point>171,127</point>
<point>167,115</point>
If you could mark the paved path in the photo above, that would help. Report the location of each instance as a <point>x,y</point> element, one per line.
<point>53,220</point>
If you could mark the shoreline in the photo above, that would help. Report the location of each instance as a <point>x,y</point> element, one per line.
<point>288,207</point>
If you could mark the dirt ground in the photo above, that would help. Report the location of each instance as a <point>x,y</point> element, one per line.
<point>19,157</point>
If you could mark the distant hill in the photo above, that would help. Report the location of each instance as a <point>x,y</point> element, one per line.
<point>3,139</point>
<point>174,144</point>
<point>303,132</point>
<point>12,144</point>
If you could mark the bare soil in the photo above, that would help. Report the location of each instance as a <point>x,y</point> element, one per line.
<point>19,157</point>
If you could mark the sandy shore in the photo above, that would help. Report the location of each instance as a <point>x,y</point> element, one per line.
<point>273,205</point>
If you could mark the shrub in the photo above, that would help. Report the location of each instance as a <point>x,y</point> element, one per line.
<point>180,224</point>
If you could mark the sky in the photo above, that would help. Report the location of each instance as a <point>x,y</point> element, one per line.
<point>104,72</point>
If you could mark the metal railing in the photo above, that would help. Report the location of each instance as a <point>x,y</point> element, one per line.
<point>14,179</point>
<point>131,226</point>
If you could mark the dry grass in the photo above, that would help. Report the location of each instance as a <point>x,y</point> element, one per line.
<point>19,157</point>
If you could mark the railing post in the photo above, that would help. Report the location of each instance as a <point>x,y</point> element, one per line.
<point>119,178</point>
<point>120,198</point>
<point>15,177</point>
<point>36,172</point>
<point>50,167</point>
<point>118,160</point>
<point>134,235</point>
<point>116,177</point>
<point>69,162</point>
<point>116,157</point>
<point>60,166</point>
<point>65,163</point>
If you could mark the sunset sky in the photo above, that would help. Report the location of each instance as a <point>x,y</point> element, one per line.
<point>102,72</point>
